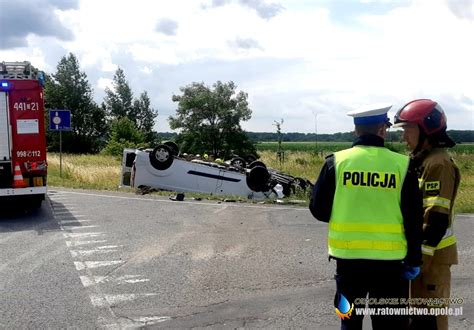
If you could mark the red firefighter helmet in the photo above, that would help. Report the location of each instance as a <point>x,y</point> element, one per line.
<point>425,113</point>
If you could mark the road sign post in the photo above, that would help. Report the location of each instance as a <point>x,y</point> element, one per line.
<point>60,120</point>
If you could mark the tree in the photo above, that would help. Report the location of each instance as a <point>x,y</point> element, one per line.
<point>209,119</point>
<point>144,116</point>
<point>123,134</point>
<point>118,101</point>
<point>69,89</point>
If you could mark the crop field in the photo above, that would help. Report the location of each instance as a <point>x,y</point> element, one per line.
<point>328,147</point>
<point>103,172</point>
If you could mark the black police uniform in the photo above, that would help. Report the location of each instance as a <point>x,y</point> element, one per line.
<point>355,278</point>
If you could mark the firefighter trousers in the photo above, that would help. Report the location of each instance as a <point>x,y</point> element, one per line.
<point>436,283</point>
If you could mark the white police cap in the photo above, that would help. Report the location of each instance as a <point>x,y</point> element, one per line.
<point>372,114</point>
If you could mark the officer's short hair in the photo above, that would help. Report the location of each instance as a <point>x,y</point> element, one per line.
<point>368,129</point>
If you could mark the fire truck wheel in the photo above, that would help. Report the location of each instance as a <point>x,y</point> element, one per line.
<point>238,162</point>
<point>256,163</point>
<point>173,146</point>
<point>258,178</point>
<point>36,201</point>
<point>161,157</point>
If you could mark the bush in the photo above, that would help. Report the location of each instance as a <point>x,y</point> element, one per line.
<point>124,134</point>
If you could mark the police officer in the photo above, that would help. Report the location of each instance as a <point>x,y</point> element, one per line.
<point>424,124</point>
<point>369,196</point>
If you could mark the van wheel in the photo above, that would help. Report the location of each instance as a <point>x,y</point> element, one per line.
<point>258,179</point>
<point>286,189</point>
<point>238,162</point>
<point>161,157</point>
<point>173,146</point>
<point>301,182</point>
<point>256,163</point>
<point>250,159</point>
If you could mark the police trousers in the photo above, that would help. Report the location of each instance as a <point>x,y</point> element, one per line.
<point>378,283</point>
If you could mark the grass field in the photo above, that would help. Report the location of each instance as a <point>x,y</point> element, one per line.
<point>328,147</point>
<point>103,172</point>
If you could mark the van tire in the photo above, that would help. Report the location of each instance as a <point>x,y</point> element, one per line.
<point>161,157</point>
<point>250,159</point>
<point>301,183</point>
<point>238,162</point>
<point>256,163</point>
<point>258,179</point>
<point>173,146</point>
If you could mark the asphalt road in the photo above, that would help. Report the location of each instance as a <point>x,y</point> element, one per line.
<point>115,260</point>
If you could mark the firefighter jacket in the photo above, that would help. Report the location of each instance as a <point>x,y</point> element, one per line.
<point>391,217</point>
<point>439,179</point>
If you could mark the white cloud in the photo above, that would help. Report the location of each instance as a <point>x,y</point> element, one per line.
<point>146,70</point>
<point>291,64</point>
<point>103,83</point>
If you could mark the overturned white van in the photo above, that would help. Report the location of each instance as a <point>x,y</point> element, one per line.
<point>163,168</point>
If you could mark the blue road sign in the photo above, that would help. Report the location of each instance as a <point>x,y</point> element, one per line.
<point>60,120</point>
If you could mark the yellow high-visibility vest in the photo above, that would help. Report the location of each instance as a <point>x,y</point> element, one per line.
<point>366,220</point>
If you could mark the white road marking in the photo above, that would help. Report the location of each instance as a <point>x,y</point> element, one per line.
<point>63,207</point>
<point>131,322</point>
<point>113,299</point>
<point>82,235</point>
<point>80,243</point>
<point>67,222</point>
<point>89,281</point>
<point>61,213</point>
<point>84,253</point>
<point>70,227</point>
<point>274,208</point>
<point>72,219</point>
<point>149,320</point>
<point>81,265</point>
<point>137,281</point>
<point>127,279</point>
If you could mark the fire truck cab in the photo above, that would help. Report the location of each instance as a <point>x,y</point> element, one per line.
<point>23,166</point>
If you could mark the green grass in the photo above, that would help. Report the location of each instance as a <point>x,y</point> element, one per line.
<point>103,173</point>
<point>328,147</point>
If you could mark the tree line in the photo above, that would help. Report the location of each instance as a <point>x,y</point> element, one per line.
<point>460,136</point>
<point>208,118</point>
<point>121,120</point>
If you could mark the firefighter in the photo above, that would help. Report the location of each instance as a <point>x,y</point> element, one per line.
<point>424,130</point>
<point>369,196</point>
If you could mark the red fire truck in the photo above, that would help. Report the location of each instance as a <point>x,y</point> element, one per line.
<point>23,166</point>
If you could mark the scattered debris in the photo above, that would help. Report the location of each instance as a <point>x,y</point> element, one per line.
<point>143,190</point>
<point>179,197</point>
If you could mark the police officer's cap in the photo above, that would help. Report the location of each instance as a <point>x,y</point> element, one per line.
<point>370,115</point>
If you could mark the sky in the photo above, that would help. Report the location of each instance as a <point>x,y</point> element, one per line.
<point>306,62</point>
